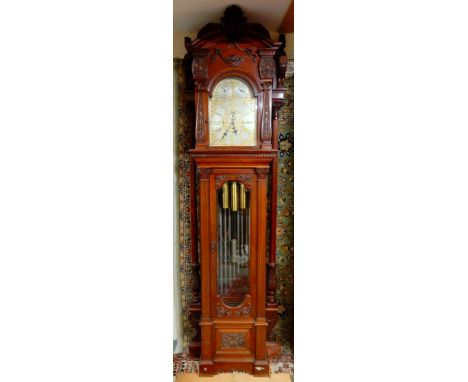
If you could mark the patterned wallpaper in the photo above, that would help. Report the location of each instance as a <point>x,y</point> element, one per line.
<point>285,221</point>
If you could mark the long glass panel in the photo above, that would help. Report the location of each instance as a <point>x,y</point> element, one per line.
<point>233,242</point>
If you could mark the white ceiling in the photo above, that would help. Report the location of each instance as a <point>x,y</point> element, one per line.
<point>190,15</point>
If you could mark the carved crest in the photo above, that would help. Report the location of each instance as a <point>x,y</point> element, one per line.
<point>234,25</point>
<point>233,59</point>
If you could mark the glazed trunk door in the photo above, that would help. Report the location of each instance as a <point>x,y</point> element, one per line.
<point>233,245</point>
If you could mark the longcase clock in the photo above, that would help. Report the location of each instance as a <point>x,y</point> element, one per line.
<point>235,80</point>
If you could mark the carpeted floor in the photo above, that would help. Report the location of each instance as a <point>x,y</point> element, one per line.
<point>232,377</point>
<point>184,364</point>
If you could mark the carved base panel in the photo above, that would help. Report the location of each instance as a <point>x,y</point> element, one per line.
<point>234,342</point>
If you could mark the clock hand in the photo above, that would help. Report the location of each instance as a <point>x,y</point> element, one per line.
<point>233,120</point>
<point>232,126</point>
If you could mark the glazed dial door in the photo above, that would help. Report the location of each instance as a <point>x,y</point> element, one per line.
<point>233,226</point>
<point>233,114</point>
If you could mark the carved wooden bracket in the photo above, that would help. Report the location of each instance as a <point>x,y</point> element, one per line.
<point>246,179</point>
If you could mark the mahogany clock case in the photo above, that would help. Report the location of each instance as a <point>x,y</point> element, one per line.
<point>233,192</point>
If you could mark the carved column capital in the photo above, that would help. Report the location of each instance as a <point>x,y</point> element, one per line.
<point>204,173</point>
<point>266,84</point>
<point>261,173</point>
<point>277,105</point>
<point>200,84</point>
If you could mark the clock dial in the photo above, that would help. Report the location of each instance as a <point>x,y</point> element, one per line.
<point>233,114</point>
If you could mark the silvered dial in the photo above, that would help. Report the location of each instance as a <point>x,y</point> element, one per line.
<point>233,114</point>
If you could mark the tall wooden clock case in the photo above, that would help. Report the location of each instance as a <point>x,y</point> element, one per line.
<point>235,79</point>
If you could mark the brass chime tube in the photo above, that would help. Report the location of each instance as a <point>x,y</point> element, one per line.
<point>234,199</point>
<point>225,195</point>
<point>242,197</point>
<point>225,253</point>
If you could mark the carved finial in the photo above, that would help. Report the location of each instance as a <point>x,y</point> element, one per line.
<point>282,40</point>
<point>281,60</point>
<point>187,43</point>
<point>233,26</point>
<point>233,22</point>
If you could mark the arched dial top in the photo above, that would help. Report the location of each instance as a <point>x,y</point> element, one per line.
<point>233,114</point>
